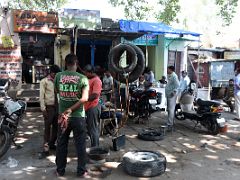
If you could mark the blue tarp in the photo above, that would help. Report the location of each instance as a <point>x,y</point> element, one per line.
<point>148,27</point>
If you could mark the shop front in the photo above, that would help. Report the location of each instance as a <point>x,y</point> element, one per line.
<point>37,32</point>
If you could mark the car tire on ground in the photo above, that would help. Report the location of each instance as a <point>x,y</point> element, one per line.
<point>144,163</point>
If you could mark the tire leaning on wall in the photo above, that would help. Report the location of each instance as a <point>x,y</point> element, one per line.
<point>115,55</point>
<point>136,72</point>
<point>144,163</point>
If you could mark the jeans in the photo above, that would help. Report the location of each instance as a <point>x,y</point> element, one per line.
<point>171,103</point>
<point>93,117</point>
<point>78,125</point>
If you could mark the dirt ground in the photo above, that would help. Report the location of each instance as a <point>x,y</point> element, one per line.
<point>191,154</point>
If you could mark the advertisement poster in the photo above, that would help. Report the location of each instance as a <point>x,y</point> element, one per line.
<point>10,65</point>
<point>83,19</point>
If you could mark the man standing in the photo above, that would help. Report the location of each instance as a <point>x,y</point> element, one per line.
<point>237,93</point>
<point>107,83</point>
<point>48,104</point>
<point>184,82</point>
<point>229,95</point>
<point>92,107</point>
<point>171,91</point>
<point>72,88</point>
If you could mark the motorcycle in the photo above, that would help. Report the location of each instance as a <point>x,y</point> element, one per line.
<point>206,113</point>
<point>143,102</point>
<point>11,113</point>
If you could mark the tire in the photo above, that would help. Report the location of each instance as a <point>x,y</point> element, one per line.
<point>144,163</point>
<point>137,71</point>
<point>214,127</point>
<point>115,55</point>
<point>151,134</point>
<point>5,142</point>
<point>178,113</point>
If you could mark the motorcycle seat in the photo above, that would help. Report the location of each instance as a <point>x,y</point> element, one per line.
<point>201,102</point>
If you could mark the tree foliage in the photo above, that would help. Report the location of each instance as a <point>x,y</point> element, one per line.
<point>227,10</point>
<point>37,5</point>
<point>167,10</point>
<point>134,9</point>
<point>170,10</point>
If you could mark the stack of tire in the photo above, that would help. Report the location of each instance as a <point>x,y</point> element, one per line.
<point>143,163</point>
<point>135,60</point>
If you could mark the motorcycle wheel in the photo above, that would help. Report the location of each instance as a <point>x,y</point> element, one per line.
<point>213,128</point>
<point>178,113</point>
<point>5,142</point>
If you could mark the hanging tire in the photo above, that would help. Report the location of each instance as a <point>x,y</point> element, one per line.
<point>150,134</point>
<point>144,163</point>
<point>136,72</point>
<point>5,142</point>
<point>115,55</point>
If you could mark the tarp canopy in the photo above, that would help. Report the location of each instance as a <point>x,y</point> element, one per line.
<point>155,28</point>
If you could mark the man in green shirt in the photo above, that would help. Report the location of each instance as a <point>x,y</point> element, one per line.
<point>72,89</point>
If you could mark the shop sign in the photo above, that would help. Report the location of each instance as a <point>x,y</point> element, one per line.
<point>10,65</point>
<point>83,19</point>
<point>232,55</point>
<point>35,21</point>
<point>145,40</point>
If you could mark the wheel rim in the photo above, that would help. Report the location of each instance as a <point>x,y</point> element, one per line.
<point>143,156</point>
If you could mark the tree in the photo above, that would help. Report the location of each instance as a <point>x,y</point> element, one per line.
<point>167,11</point>
<point>170,10</point>
<point>134,9</point>
<point>38,5</point>
<point>227,10</point>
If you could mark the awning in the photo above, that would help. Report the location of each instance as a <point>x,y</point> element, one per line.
<point>155,28</point>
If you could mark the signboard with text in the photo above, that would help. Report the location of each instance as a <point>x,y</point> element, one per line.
<point>35,21</point>
<point>11,64</point>
<point>149,40</point>
<point>83,19</point>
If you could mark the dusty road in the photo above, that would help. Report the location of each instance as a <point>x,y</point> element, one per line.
<point>191,154</point>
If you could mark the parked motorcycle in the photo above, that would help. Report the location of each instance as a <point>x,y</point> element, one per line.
<point>206,113</point>
<point>143,102</point>
<point>11,113</point>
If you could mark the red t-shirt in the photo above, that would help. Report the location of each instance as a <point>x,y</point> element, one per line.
<point>95,87</point>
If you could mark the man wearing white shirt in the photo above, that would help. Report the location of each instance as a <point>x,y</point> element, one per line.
<point>184,82</point>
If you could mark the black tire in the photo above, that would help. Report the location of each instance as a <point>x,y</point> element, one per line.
<point>214,127</point>
<point>5,142</point>
<point>150,134</point>
<point>144,163</point>
<point>114,58</point>
<point>137,71</point>
<point>178,113</point>
<point>140,67</point>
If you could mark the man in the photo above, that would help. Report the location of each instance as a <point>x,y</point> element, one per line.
<point>229,95</point>
<point>48,104</point>
<point>72,88</point>
<point>107,83</point>
<point>237,93</point>
<point>171,91</point>
<point>184,82</point>
<point>92,107</point>
<point>149,77</point>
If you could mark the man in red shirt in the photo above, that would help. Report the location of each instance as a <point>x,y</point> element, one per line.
<point>92,107</point>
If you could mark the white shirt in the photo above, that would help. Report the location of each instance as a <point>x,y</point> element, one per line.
<point>184,82</point>
<point>107,82</point>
